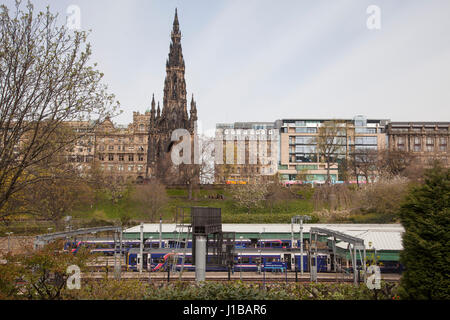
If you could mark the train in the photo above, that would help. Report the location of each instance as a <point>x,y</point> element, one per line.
<point>244,260</point>
<point>251,255</point>
<point>106,246</point>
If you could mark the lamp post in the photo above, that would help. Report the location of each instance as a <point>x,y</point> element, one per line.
<point>149,263</point>
<point>260,261</point>
<point>9,236</point>
<point>240,260</point>
<point>300,219</point>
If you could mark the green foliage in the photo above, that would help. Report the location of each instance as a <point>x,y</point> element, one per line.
<point>39,275</point>
<point>234,290</point>
<point>426,256</point>
<point>107,289</point>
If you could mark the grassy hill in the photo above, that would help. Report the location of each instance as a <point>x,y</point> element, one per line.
<point>128,209</point>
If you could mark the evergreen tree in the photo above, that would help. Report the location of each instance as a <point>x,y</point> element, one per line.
<point>425,216</point>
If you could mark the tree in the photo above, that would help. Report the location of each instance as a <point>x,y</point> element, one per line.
<point>426,254</point>
<point>54,198</point>
<point>45,81</point>
<point>42,274</point>
<point>365,163</point>
<point>251,195</point>
<point>152,196</point>
<point>329,142</point>
<point>191,174</point>
<point>277,193</point>
<point>395,162</point>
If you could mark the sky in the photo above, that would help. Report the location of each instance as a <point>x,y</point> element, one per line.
<point>259,60</point>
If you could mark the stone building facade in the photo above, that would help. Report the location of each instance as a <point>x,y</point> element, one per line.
<point>248,150</point>
<point>427,141</point>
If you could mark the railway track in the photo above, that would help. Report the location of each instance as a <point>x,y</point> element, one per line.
<point>223,277</point>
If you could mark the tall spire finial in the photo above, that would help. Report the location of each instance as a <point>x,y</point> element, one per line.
<point>176,24</point>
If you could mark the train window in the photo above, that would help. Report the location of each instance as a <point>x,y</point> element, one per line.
<point>155,245</point>
<point>188,260</point>
<point>271,259</point>
<point>245,260</point>
<point>267,245</point>
<point>286,244</point>
<point>132,260</point>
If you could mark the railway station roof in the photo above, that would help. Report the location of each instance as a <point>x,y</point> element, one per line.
<point>379,240</point>
<point>380,236</point>
<point>275,228</point>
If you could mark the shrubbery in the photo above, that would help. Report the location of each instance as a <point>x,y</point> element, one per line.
<point>236,290</point>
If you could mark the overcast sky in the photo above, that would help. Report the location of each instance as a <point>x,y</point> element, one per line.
<point>257,60</point>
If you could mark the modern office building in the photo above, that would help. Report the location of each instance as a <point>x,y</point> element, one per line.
<point>300,159</point>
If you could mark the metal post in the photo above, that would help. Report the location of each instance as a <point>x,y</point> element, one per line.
<point>149,263</point>
<point>240,260</point>
<point>334,257</point>
<point>200,258</point>
<point>141,248</point>
<point>9,240</point>
<point>115,253</point>
<point>315,258</point>
<point>160,232</point>
<point>121,250</point>
<point>301,246</point>
<point>292,232</point>
<point>260,261</point>
<point>355,266</point>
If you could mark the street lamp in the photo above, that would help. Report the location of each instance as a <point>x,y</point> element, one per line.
<point>9,236</point>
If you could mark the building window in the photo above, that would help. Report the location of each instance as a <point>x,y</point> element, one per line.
<point>140,167</point>
<point>130,157</point>
<point>401,143</point>
<point>366,140</point>
<point>101,157</point>
<point>110,157</point>
<point>443,144</point>
<point>110,147</point>
<point>417,143</point>
<point>141,127</point>
<point>141,148</point>
<point>141,157</point>
<point>120,167</point>
<point>101,148</point>
<point>121,157</point>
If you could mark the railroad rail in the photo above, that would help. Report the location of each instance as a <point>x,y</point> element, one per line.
<point>223,276</point>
